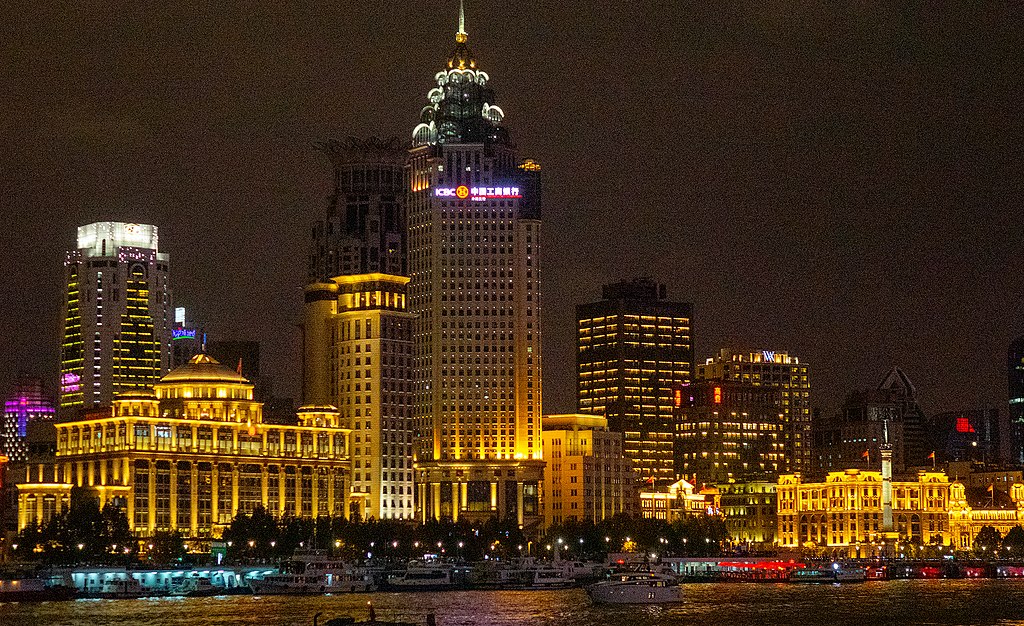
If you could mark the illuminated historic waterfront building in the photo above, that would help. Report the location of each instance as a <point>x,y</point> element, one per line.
<point>781,371</point>
<point>728,430</point>
<point>845,510</point>
<point>117,315</point>
<point>678,501</point>
<point>749,509</point>
<point>190,453</point>
<point>634,347</point>
<point>587,478</point>
<point>475,263</point>
<point>364,231</point>
<point>357,351</point>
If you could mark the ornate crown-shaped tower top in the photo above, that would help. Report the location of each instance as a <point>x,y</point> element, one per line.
<point>461,108</point>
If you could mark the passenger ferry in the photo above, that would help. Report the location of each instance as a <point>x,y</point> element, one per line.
<point>430,576</point>
<point>834,574</point>
<point>636,587</point>
<point>312,572</point>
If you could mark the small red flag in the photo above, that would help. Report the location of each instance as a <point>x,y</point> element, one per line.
<point>932,455</point>
<point>865,455</point>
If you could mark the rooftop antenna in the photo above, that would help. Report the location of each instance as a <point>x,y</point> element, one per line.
<point>462,35</point>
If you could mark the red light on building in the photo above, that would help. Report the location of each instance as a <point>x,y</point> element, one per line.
<point>718,395</point>
<point>679,398</point>
<point>963,425</point>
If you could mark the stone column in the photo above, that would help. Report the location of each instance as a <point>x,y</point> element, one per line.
<point>282,504</point>
<point>264,483</point>
<point>234,483</point>
<point>455,502</point>
<point>194,513</point>
<point>214,492</point>
<point>435,499</point>
<point>174,495</point>
<point>152,497</point>
<point>519,502</point>
<point>494,496</point>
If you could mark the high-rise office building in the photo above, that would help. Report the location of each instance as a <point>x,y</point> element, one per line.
<point>1015,378</point>
<point>772,369</point>
<point>974,435</point>
<point>853,438</point>
<point>728,430</point>
<point>634,348</point>
<point>475,263</point>
<point>186,339</point>
<point>25,403</point>
<point>364,230</point>
<point>357,349</point>
<point>117,315</point>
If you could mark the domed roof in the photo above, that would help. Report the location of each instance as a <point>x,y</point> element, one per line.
<point>136,394</point>
<point>203,368</point>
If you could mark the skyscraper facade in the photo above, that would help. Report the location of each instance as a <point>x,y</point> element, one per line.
<point>1015,377</point>
<point>117,314</point>
<point>786,373</point>
<point>364,229</point>
<point>357,348</point>
<point>474,260</point>
<point>634,348</point>
<point>25,403</point>
<point>729,431</point>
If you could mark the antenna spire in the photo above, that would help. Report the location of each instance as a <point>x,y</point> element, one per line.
<point>462,35</point>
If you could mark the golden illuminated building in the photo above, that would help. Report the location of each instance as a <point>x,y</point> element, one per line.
<point>192,452</point>
<point>586,477</point>
<point>357,352</point>
<point>749,509</point>
<point>678,501</point>
<point>634,348</point>
<point>474,212</point>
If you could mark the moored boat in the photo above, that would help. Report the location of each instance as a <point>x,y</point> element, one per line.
<point>833,574</point>
<point>636,587</point>
<point>32,590</point>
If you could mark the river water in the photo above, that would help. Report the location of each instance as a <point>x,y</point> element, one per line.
<point>731,604</point>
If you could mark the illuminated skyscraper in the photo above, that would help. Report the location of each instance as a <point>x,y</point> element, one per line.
<point>364,230</point>
<point>789,376</point>
<point>634,347</point>
<point>1015,376</point>
<point>117,315</point>
<point>27,402</point>
<point>474,259</point>
<point>357,349</point>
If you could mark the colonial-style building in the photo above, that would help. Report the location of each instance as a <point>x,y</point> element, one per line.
<point>679,500</point>
<point>845,512</point>
<point>192,452</point>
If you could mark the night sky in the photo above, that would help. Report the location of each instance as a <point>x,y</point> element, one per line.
<point>842,182</point>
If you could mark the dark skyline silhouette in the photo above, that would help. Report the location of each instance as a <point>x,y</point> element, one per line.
<point>843,182</point>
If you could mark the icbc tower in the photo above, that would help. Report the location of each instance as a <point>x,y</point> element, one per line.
<point>474,259</point>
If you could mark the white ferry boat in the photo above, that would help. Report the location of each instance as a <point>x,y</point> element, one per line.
<point>834,574</point>
<point>314,572</point>
<point>636,588</point>
<point>424,577</point>
<point>121,589</point>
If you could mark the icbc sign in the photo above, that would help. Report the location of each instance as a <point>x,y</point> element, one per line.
<point>477,194</point>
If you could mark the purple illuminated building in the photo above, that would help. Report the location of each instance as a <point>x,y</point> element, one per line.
<point>26,402</point>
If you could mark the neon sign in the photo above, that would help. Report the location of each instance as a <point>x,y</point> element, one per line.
<point>477,194</point>
<point>963,425</point>
<point>768,356</point>
<point>718,395</point>
<point>69,382</point>
<point>183,333</point>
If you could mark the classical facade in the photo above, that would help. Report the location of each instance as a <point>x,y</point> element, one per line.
<point>844,512</point>
<point>474,211</point>
<point>679,500</point>
<point>586,477</point>
<point>190,453</point>
<point>357,351</point>
<point>749,509</point>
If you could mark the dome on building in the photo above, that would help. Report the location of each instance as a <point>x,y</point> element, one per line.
<point>203,368</point>
<point>136,395</point>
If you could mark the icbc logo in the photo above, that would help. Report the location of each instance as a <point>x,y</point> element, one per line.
<point>462,192</point>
